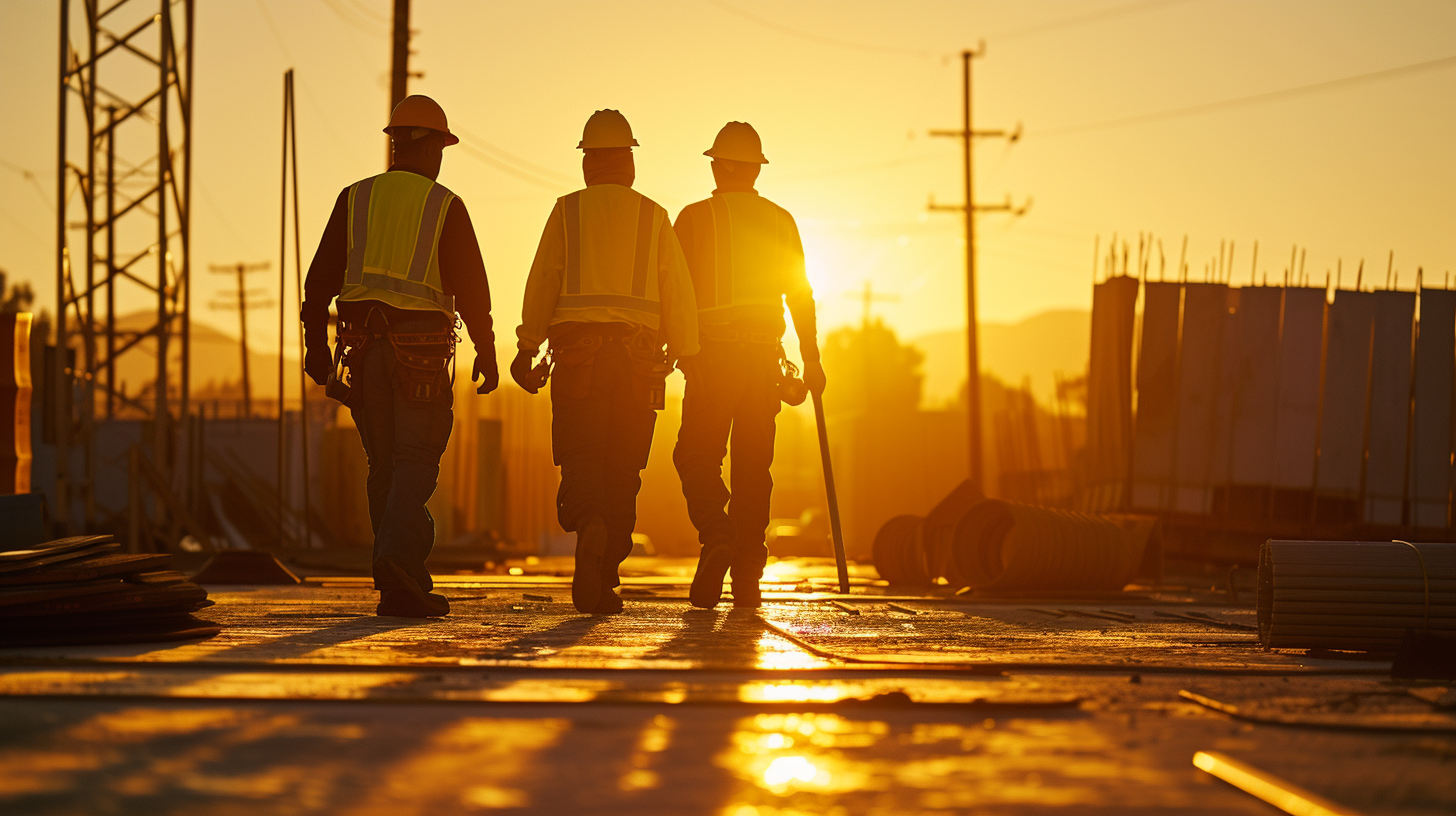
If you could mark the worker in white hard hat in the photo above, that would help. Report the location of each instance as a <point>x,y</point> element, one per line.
<point>399,253</point>
<point>611,292</point>
<point>747,261</point>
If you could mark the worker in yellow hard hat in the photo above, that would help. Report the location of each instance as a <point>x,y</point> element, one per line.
<point>610,290</point>
<point>400,254</point>
<point>747,262</point>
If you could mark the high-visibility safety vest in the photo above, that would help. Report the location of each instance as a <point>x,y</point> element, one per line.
<point>745,254</point>
<point>395,221</point>
<point>611,235</point>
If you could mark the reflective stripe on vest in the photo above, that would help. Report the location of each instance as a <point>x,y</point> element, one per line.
<point>637,299</point>
<point>395,222</point>
<point>724,304</point>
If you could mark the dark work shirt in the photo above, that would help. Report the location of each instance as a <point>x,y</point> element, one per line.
<point>462,273</point>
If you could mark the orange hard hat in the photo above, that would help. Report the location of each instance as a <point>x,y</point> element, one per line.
<point>737,141</point>
<point>420,111</point>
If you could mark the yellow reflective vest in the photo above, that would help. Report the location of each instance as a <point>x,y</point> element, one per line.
<point>745,256</point>
<point>395,220</point>
<point>609,255</point>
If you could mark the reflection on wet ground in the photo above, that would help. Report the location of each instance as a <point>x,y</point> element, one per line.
<point>309,704</point>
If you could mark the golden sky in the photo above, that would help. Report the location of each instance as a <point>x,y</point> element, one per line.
<point>843,94</point>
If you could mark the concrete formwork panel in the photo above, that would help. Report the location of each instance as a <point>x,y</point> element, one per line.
<point>1435,371</point>
<point>1297,417</point>
<point>1253,389</point>
<point>1344,404</point>
<point>1390,402</point>
<point>1205,311</point>
<point>1156,424</point>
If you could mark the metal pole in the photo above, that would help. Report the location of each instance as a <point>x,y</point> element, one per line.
<point>88,327</point>
<point>160,420</point>
<point>398,64</point>
<point>243,336</point>
<point>282,279</point>
<point>298,286</point>
<point>973,382</point>
<point>111,262</point>
<point>184,92</point>
<point>60,394</point>
<point>834,529</point>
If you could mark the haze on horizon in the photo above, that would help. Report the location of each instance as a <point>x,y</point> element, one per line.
<point>844,94</point>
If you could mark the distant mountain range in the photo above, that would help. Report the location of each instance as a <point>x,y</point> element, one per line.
<point>1040,347</point>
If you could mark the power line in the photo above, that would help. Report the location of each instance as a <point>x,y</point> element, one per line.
<point>523,175</point>
<point>1081,19</point>
<point>352,17</point>
<point>507,156</point>
<point>1254,99</point>
<point>817,38</point>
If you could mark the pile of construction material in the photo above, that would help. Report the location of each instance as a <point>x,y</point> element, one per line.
<point>84,590</point>
<point>993,546</point>
<point>1355,595</point>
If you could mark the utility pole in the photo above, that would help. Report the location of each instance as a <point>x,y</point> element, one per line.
<point>966,134</point>
<point>399,72</point>
<point>247,298</point>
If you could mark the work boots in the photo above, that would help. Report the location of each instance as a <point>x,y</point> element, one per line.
<point>589,588</point>
<point>402,596</point>
<point>707,587</point>
<point>746,592</point>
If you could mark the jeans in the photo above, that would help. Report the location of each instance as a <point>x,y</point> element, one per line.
<point>601,435</point>
<point>732,393</point>
<point>404,441</point>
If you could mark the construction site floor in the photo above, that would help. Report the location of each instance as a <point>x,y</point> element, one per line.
<point>881,702</point>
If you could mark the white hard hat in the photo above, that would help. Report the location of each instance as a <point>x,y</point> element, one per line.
<point>737,141</point>
<point>607,128</point>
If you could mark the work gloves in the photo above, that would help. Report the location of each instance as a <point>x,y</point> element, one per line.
<point>814,376</point>
<point>318,363</point>
<point>486,371</point>
<point>523,374</point>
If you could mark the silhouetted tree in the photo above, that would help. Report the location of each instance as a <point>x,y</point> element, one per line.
<point>17,298</point>
<point>869,369</point>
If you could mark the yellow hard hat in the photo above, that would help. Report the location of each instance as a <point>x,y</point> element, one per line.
<point>737,141</point>
<point>607,128</point>
<point>420,111</point>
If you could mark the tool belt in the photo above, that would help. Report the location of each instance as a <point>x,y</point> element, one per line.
<point>574,352</point>
<point>725,334</point>
<point>424,359</point>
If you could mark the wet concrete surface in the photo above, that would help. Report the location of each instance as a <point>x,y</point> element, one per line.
<point>883,703</point>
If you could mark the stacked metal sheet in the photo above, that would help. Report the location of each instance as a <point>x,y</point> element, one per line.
<point>1354,595</point>
<point>84,590</point>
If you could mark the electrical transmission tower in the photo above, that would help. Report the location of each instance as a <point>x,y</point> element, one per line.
<point>968,136</point>
<point>123,175</point>
<point>247,299</point>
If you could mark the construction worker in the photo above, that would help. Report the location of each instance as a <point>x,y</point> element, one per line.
<point>746,261</point>
<point>609,289</point>
<point>400,254</point>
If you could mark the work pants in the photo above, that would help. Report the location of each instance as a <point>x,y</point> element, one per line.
<point>731,393</point>
<point>404,441</point>
<point>601,434</point>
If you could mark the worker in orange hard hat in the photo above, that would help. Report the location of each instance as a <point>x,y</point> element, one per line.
<point>610,291</point>
<point>399,253</point>
<point>747,261</point>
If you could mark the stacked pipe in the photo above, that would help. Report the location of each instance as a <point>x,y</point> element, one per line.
<point>999,546</point>
<point>1354,595</point>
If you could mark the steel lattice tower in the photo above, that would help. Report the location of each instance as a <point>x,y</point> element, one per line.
<point>123,172</point>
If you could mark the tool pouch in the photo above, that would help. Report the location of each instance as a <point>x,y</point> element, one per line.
<point>422,365</point>
<point>649,368</point>
<point>792,390</point>
<point>571,363</point>
<point>337,386</point>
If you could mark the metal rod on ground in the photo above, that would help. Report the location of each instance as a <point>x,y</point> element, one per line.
<point>835,532</point>
<point>1280,793</point>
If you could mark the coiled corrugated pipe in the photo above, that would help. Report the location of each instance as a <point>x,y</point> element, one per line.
<point>1355,595</point>
<point>899,552</point>
<point>1000,545</point>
